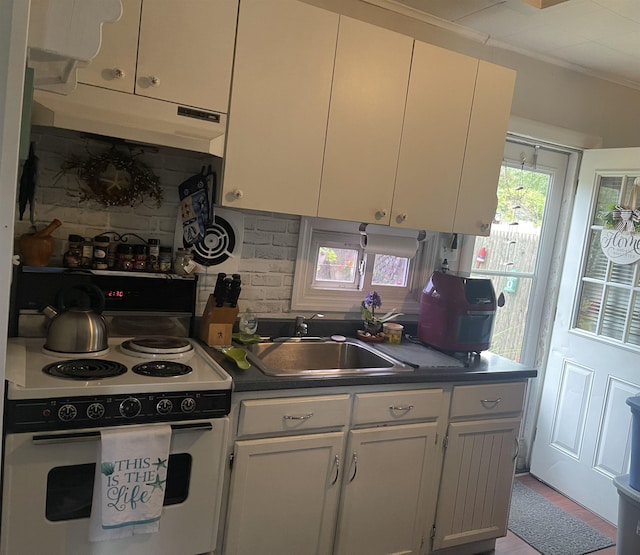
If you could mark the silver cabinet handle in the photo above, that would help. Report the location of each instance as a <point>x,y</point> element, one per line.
<point>336,463</point>
<point>301,417</point>
<point>354,462</point>
<point>405,408</point>
<point>119,73</point>
<point>154,81</point>
<point>490,403</point>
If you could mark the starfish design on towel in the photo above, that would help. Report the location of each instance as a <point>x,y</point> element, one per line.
<point>162,463</point>
<point>157,483</point>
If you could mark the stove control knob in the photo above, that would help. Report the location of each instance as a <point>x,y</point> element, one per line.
<point>95,411</point>
<point>130,407</point>
<point>67,413</point>
<point>188,404</point>
<point>164,406</point>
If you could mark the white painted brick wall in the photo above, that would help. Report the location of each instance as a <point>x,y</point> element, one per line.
<point>270,240</point>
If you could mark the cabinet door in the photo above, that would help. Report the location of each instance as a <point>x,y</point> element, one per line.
<point>185,51</point>
<point>475,490</point>
<point>389,490</point>
<point>433,138</point>
<point>115,65</point>
<point>365,122</point>
<point>284,495</point>
<point>279,106</point>
<point>477,199</point>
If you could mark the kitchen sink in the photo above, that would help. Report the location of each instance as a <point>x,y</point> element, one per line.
<point>321,358</point>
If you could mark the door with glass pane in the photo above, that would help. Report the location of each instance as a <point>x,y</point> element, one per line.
<point>516,256</point>
<point>583,429</point>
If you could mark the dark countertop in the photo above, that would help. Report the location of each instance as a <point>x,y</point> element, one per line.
<point>480,368</point>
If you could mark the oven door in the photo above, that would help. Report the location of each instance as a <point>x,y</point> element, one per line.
<point>48,486</point>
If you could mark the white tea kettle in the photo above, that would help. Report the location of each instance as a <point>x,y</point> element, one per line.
<point>78,325</point>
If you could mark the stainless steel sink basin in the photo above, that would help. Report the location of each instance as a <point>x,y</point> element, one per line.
<point>321,358</point>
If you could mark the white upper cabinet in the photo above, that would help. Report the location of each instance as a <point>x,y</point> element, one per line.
<point>370,83</point>
<point>477,199</point>
<point>279,107</point>
<point>183,52</point>
<point>434,138</point>
<point>115,65</point>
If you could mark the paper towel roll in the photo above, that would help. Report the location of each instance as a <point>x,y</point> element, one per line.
<point>404,247</point>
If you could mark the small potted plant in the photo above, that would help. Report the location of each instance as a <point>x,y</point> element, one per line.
<point>372,323</point>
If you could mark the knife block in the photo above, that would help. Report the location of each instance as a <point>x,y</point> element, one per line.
<point>216,323</point>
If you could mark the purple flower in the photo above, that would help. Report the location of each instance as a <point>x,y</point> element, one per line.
<point>373,300</point>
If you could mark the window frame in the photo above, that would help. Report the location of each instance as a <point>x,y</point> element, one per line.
<point>345,300</point>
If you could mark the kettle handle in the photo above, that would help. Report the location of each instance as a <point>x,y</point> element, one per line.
<point>95,294</point>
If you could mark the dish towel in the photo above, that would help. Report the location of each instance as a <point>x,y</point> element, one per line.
<point>129,487</point>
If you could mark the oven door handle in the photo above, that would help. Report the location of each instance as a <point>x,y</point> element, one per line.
<point>91,436</point>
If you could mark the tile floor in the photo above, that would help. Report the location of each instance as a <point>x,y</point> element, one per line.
<point>513,545</point>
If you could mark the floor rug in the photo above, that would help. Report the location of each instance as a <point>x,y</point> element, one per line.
<point>549,529</point>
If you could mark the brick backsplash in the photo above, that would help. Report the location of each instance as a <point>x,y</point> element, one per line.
<point>270,240</point>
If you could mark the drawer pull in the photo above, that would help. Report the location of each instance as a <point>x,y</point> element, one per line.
<point>354,462</point>
<point>490,403</point>
<point>336,463</point>
<point>301,417</point>
<point>405,408</point>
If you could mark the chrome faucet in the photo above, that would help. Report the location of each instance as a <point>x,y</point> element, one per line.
<point>301,326</point>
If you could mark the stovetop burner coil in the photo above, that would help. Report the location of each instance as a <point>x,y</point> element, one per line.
<point>162,369</point>
<point>159,344</point>
<point>85,369</point>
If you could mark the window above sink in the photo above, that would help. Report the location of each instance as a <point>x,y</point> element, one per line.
<point>333,269</point>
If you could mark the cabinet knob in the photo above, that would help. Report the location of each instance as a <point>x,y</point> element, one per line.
<point>238,193</point>
<point>155,81</point>
<point>402,217</point>
<point>119,73</point>
<point>381,213</point>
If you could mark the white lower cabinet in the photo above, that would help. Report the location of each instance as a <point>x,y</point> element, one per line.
<point>370,471</point>
<point>284,495</point>
<point>388,490</point>
<point>481,447</point>
<point>475,489</point>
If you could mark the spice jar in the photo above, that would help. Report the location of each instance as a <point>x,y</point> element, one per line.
<point>73,256</point>
<point>100,250</point>
<point>166,259</point>
<point>140,258</point>
<point>87,253</point>
<point>153,257</point>
<point>183,264</point>
<point>125,257</point>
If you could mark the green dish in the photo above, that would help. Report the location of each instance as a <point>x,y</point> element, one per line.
<point>238,355</point>
<point>246,339</point>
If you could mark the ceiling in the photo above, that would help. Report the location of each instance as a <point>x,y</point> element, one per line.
<point>600,37</point>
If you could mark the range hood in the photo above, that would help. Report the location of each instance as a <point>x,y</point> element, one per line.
<point>136,118</point>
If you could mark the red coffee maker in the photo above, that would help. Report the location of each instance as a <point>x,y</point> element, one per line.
<point>457,313</point>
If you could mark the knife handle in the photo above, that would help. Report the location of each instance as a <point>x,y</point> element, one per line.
<point>218,290</point>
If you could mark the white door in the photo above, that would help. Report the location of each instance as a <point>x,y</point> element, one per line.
<point>583,430</point>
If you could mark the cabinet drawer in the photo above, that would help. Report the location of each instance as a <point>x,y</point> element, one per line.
<point>397,406</point>
<point>292,414</point>
<point>487,400</point>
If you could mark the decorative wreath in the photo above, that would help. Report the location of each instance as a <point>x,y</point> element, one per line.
<point>625,218</point>
<point>115,178</point>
